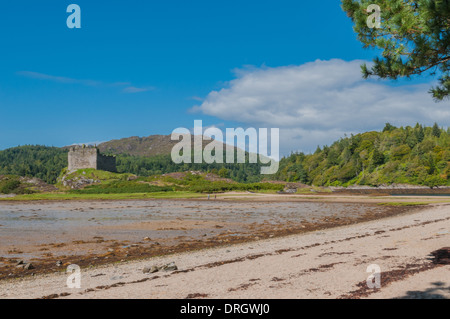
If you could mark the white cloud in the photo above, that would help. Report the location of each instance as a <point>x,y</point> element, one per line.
<point>67,80</point>
<point>318,102</point>
<point>59,79</point>
<point>196,98</point>
<point>133,89</point>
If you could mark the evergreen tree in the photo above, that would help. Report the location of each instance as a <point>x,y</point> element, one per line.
<point>374,158</point>
<point>420,134</point>
<point>388,127</point>
<point>436,130</point>
<point>318,150</point>
<point>414,38</point>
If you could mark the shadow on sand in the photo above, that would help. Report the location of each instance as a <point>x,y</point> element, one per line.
<point>435,292</point>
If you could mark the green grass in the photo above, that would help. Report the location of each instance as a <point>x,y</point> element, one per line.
<point>98,174</point>
<point>68,196</point>
<point>122,187</point>
<point>403,204</point>
<point>11,184</point>
<point>113,186</point>
<point>199,184</point>
<point>90,173</point>
<point>120,183</point>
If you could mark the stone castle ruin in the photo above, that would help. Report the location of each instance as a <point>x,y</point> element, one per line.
<point>89,157</point>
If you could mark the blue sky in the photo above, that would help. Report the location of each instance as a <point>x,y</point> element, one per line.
<point>137,68</point>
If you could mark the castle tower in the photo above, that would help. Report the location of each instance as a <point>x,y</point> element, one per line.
<point>80,157</point>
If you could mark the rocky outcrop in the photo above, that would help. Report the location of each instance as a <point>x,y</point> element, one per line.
<point>77,182</point>
<point>393,189</point>
<point>167,267</point>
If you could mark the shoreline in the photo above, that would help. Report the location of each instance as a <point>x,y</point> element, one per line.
<point>245,196</point>
<point>327,263</point>
<point>97,249</point>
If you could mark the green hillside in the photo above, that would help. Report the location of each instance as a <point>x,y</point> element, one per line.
<point>43,162</point>
<point>47,163</point>
<point>411,155</point>
<point>162,164</point>
<point>406,155</point>
<point>195,182</point>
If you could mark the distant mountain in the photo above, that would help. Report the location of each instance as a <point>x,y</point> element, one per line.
<point>143,156</point>
<point>149,146</point>
<point>139,146</point>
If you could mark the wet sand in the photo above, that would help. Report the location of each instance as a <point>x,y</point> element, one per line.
<point>325,263</point>
<point>101,232</point>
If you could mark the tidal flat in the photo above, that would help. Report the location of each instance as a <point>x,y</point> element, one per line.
<point>52,235</point>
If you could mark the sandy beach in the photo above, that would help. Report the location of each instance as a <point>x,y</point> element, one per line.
<point>321,263</point>
<point>92,233</point>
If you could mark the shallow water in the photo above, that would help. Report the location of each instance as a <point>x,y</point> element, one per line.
<point>32,224</point>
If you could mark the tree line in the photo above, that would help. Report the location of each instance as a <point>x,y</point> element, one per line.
<point>47,163</point>
<point>411,155</point>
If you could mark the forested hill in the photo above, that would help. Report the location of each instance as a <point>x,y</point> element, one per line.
<point>47,163</point>
<point>411,155</point>
<point>43,162</point>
